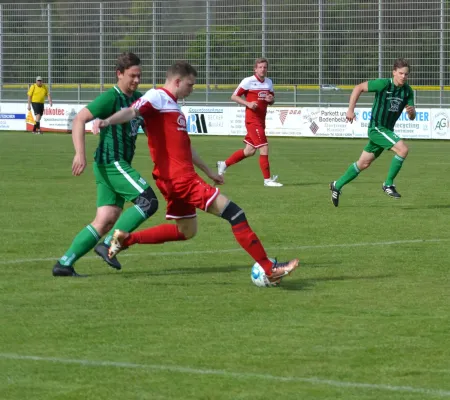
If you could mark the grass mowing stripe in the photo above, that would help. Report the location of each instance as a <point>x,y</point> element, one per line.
<point>239,375</point>
<point>184,253</point>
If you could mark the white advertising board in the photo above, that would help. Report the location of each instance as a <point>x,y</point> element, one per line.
<point>12,117</point>
<point>280,121</point>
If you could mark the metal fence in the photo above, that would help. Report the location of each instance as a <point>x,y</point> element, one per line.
<point>317,49</point>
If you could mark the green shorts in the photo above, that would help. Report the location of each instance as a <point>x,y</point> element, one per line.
<point>117,182</point>
<point>380,139</point>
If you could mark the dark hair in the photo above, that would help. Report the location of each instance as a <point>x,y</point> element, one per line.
<point>127,60</point>
<point>401,63</point>
<point>261,60</point>
<point>182,69</point>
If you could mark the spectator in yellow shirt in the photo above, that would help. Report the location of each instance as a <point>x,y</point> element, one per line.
<point>36,99</point>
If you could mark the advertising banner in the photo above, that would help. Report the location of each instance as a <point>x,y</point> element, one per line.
<point>55,119</point>
<point>12,117</point>
<point>280,121</point>
<point>440,124</point>
<point>206,120</point>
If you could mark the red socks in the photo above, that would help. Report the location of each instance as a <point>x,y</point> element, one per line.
<point>169,233</point>
<point>235,157</point>
<point>239,156</point>
<point>251,244</point>
<point>157,234</point>
<point>264,165</point>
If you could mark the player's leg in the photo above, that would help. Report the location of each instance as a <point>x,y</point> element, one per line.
<point>222,207</point>
<point>369,154</point>
<point>177,209</point>
<point>183,229</point>
<point>388,140</point>
<point>248,151</point>
<point>130,186</point>
<point>236,157</point>
<point>401,150</point>
<point>264,164</point>
<point>86,240</point>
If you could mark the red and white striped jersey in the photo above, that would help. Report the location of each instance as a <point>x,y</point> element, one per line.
<point>255,89</point>
<point>168,139</point>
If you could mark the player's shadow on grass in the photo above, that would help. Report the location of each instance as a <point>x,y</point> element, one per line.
<point>304,184</point>
<point>204,270</point>
<point>181,271</point>
<point>307,284</point>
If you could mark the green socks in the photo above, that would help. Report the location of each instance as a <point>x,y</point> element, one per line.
<point>351,173</point>
<point>394,169</point>
<point>86,240</point>
<point>128,222</point>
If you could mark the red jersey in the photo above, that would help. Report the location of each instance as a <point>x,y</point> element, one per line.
<point>255,89</point>
<point>168,140</point>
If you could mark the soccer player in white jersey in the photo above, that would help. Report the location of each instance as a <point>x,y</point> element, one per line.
<point>259,94</point>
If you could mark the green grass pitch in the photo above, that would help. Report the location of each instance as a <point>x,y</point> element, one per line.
<point>366,316</point>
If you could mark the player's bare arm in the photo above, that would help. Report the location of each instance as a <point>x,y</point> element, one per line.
<point>357,90</point>
<point>253,105</point>
<point>78,132</point>
<point>411,111</point>
<point>120,117</point>
<point>198,162</point>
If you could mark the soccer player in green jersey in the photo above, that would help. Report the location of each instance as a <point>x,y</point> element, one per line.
<point>391,97</point>
<point>115,178</point>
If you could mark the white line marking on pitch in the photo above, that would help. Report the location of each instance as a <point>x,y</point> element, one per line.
<point>193,252</point>
<point>240,375</point>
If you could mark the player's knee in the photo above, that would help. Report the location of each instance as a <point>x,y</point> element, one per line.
<point>103,226</point>
<point>250,151</point>
<point>403,151</point>
<point>363,164</point>
<point>233,214</point>
<point>188,231</point>
<point>147,202</point>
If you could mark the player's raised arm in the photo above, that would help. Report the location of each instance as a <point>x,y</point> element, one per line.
<point>357,90</point>
<point>120,117</point>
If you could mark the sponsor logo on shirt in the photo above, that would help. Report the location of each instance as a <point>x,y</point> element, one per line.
<point>181,121</point>
<point>396,102</point>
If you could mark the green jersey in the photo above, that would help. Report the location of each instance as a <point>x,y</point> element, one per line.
<point>117,142</point>
<point>390,100</point>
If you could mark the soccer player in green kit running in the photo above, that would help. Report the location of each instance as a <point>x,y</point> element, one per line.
<point>115,178</point>
<point>391,97</point>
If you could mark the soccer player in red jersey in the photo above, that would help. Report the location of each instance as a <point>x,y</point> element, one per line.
<point>175,175</point>
<point>258,92</point>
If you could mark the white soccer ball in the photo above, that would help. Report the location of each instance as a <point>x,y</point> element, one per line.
<point>259,277</point>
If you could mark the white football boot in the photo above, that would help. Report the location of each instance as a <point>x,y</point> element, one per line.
<point>221,167</point>
<point>272,182</point>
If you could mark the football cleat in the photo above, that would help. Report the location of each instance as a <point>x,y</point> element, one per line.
<point>221,167</point>
<point>334,194</point>
<point>272,182</point>
<point>102,250</point>
<point>391,191</point>
<point>280,270</point>
<point>116,245</point>
<point>62,270</point>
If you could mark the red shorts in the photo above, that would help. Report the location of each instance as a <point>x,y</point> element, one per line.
<point>256,135</point>
<point>185,194</point>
